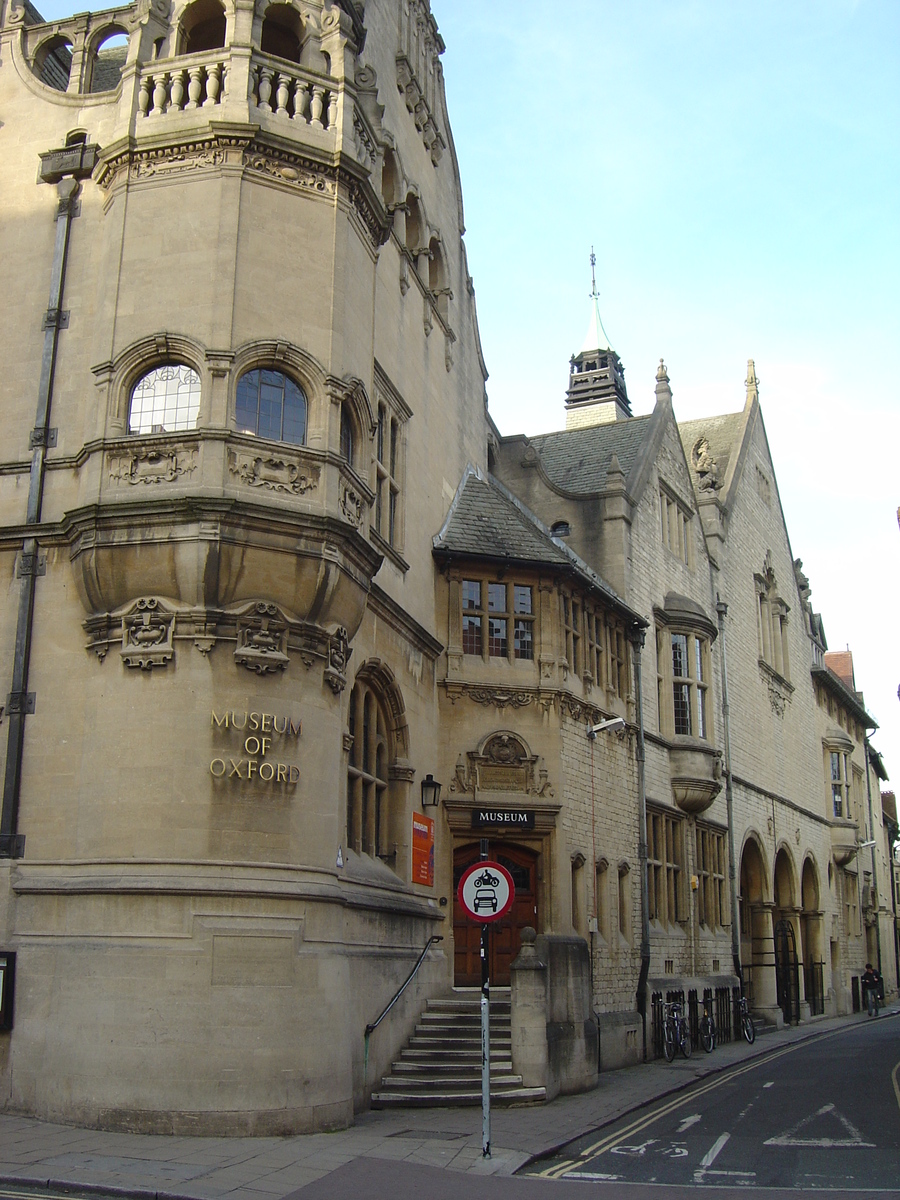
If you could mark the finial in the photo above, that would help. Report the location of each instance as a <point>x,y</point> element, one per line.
<point>594,295</point>
<point>661,373</point>
<point>751,382</point>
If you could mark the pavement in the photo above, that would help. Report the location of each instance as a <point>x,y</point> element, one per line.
<point>150,1167</point>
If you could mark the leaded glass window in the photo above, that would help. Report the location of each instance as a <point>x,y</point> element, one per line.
<point>165,400</point>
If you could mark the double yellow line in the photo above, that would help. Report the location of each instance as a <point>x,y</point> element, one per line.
<point>643,1122</point>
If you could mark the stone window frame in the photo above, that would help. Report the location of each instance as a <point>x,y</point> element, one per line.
<point>476,609</point>
<point>681,618</point>
<point>378,774</point>
<point>623,901</point>
<point>666,903</point>
<point>571,613</point>
<point>772,623</point>
<point>676,520</point>
<point>288,360</point>
<point>711,865</point>
<point>392,416</point>
<point>837,749</point>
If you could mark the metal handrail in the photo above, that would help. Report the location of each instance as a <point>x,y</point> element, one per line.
<point>374,1025</point>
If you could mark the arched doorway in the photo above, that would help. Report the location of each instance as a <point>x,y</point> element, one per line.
<point>811,944</point>
<point>506,934</point>
<point>787,970</point>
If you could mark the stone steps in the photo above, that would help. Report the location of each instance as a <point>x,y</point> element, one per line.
<point>441,1064</point>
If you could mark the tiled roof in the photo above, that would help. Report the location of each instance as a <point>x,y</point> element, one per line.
<point>576,459</point>
<point>486,521</point>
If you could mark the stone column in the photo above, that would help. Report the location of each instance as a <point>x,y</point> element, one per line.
<point>765,994</point>
<point>529,1011</point>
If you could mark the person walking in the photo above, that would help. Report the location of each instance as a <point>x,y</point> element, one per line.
<point>871,982</point>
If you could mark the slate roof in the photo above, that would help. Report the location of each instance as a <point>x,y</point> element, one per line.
<point>575,460</point>
<point>723,434</point>
<point>487,521</point>
<point>853,700</point>
<point>484,522</point>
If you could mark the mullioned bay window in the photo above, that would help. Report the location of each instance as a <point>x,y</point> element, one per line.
<point>839,773</point>
<point>684,635</point>
<point>498,620</point>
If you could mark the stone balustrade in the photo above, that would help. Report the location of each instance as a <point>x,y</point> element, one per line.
<point>181,84</point>
<point>293,93</point>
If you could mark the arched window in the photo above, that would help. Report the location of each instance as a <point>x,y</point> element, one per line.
<point>367,774</point>
<point>108,61</point>
<point>202,27</point>
<point>271,405</point>
<point>346,435</point>
<point>165,400</point>
<point>281,32</point>
<point>53,62</point>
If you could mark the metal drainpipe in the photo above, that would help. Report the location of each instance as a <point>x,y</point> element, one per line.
<point>874,848</point>
<point>20,703</point>
<point>637,642</point>
<point>721,610</point>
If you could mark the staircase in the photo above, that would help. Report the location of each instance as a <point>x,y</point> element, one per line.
<point>441,1066</point>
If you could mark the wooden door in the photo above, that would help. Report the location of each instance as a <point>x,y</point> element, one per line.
<point>506,934</point>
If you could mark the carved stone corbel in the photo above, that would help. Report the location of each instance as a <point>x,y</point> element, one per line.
<point>147,635</point>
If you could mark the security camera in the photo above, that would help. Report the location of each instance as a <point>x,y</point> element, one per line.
<point>613,725</point>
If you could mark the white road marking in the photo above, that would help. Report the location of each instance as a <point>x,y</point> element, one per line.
<point>713,1152</point>
<point>771,1083</point>
<point>688,1122</point>
<point>634,1151</point>
<point>789,1137</point>
<point>588,1175</point>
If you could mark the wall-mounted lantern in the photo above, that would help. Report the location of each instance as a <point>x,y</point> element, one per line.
<point>431,792</point>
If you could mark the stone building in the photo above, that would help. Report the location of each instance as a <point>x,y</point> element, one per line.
<point>272,573</point>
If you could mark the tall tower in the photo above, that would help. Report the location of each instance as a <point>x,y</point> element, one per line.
<point>596,392</point>
<point>248,310</point>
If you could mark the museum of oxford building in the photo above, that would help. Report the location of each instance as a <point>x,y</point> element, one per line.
<point>291,630</point>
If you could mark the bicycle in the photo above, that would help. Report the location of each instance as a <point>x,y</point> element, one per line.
<point>872,1001</point>
<point>708,1031</point>
<point>748,1029</point>
<point>676,1035</point>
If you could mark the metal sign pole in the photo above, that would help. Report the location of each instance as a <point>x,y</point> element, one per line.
<point>485,1033</point>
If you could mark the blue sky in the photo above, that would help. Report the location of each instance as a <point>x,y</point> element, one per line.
<point>736,166</point>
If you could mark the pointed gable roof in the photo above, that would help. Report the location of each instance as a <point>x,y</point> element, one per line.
<point>487,521</point>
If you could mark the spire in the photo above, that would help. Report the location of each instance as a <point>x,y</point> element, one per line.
<point>596,392</point>
<point>751,382</point>
<point>596,337</point>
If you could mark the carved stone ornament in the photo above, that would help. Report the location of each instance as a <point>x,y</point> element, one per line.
<point>705,466</point>
<point>351,503</point>
<point>339,652</point>
<point>152,464</point>
<point>274,472</point>
<point>168,161</point>
<point>262,641</point>
<point>503,763</point>
<point>147,635</point>
<point>291,171</point>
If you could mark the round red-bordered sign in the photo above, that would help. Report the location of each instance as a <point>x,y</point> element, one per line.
<point>486,891</point>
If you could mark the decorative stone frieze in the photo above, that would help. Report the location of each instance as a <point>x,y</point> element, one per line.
<point>275,472</point>
<point>151,464</point>
<point>502,763</point>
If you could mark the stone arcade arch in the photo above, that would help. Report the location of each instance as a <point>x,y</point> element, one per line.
<point>812,938</point>
<point>757,937</point>
<point>786,933</point>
